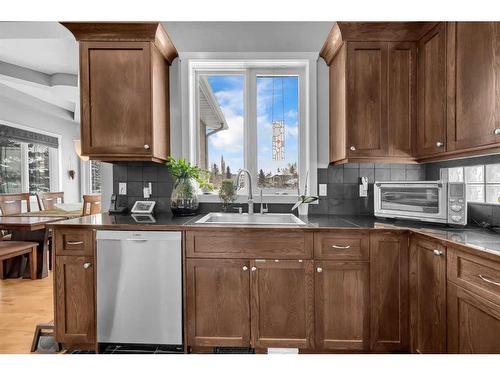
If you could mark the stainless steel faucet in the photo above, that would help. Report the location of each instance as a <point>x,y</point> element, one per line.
<point>250,194</point>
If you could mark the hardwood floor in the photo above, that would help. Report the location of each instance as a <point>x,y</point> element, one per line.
<point>23,305</point>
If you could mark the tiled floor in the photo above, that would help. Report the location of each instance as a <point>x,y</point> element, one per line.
<point>23,304</point>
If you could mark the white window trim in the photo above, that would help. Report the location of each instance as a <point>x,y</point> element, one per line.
<point>253,64</point>
<point>54,162</point>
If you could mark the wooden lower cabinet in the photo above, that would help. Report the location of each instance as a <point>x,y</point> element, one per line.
<point>74,300</point>
<point>389,323</point>
<point>427,296</point>
<point>342,305</point>
<point>473,323</point>
<point>218,302</point>
<point>282,303</point>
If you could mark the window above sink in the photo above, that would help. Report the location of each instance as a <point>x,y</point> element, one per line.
<point>253,114</point>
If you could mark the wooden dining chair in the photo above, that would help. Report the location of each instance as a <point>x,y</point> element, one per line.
<point>48,201</point>
<point>11,204</point>
<point>91,205</point>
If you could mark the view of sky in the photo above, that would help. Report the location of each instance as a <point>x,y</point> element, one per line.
<point>229,93</point>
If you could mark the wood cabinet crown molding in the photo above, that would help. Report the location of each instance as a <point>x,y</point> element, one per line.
<point>125,32</point>
<point>370,32</point>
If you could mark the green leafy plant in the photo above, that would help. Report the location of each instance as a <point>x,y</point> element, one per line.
<point>304,198</point>
<point>204,181</point>
<point>180,168</point>
<point>227,193</point>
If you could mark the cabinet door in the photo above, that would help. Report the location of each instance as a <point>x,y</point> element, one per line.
<point>402,97</point>
<point>218,298</point>
<point>74,300</point>
<point>431,127</point>
<point>282,303</point>
<point>473,323</point>
<point>427,296</point>
<point>116,98</point>
<point>474,84</point>
<point>342,305</point>
<point>367,99</point>
<point>389,292</point>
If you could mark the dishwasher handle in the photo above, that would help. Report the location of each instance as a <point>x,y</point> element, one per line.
<point>120,235</point>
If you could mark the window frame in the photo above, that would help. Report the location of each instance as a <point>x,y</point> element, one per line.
<point>251,69</point>
<point>54,162</point>
<point>86,182</point>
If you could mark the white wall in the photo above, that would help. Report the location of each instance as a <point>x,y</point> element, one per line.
<point>323,114</point>
<point>23,110</point>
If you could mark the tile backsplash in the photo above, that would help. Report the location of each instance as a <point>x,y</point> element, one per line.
<point>343,185</point>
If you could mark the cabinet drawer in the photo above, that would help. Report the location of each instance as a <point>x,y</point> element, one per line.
<point>342,246</point>
<point>249,243</point>
<point>474,273</point>
<point>74,242</point>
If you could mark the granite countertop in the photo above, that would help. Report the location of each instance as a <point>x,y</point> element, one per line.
<point>470,236</point>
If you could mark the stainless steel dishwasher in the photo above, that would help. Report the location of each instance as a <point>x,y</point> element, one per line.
<point>139,287</point>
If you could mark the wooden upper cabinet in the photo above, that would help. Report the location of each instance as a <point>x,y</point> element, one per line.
<point>473,84</point>
<point>367,99</point>
<point>401,112</point>
<point>372,93</point>
<point>342,305</point>
<point>124,85</point>
<point>389,292</point>
<point>431,126</point>
<point>74,300</point>
<point>427,296</point>
<point>218,302</point>
<point>282,303</point>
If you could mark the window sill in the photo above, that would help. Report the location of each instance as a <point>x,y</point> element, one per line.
<point>241,199</point>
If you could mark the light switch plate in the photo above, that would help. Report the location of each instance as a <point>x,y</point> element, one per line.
<point>322,190</point>
<point>122,188</point>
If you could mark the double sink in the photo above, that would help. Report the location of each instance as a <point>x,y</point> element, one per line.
<point>246,219</point>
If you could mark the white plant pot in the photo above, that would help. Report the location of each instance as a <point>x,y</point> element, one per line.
<point>303,209</point>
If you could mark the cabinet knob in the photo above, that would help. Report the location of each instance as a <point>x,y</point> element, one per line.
<point>319,269</point>
<point>254,269</point>
<point>496,131</point>
<point>437,252</point>
<point>87,265</point>
<point>245,268</point>
<point>146,147</point>
<point>439,144</point>
<point>352,148</point>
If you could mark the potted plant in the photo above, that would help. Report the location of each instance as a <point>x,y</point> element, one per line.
<point>227,193</point>
<point>205,185</point>
<point>184,198</point>
<point>304,200</point>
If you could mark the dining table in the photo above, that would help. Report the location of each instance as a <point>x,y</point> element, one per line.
<point>32,226</point>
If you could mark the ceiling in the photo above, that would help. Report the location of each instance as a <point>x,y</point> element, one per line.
<point>248,36</point>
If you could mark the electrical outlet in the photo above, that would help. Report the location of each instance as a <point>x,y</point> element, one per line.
<point>322,190</point>
<point>122,188</point>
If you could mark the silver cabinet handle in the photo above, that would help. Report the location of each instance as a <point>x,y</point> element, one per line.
<point>437,252</point>
<point>352,148</point>
<point>245,268</point>
<point>488,280</point>
<point>439,144</point>
<point>319,269</point>
<point>87,265</point>
<point>496,131</point>
<point>341,247</point>
<point>254,269</point>
<point>74,242</point>
<point>146,147</point>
